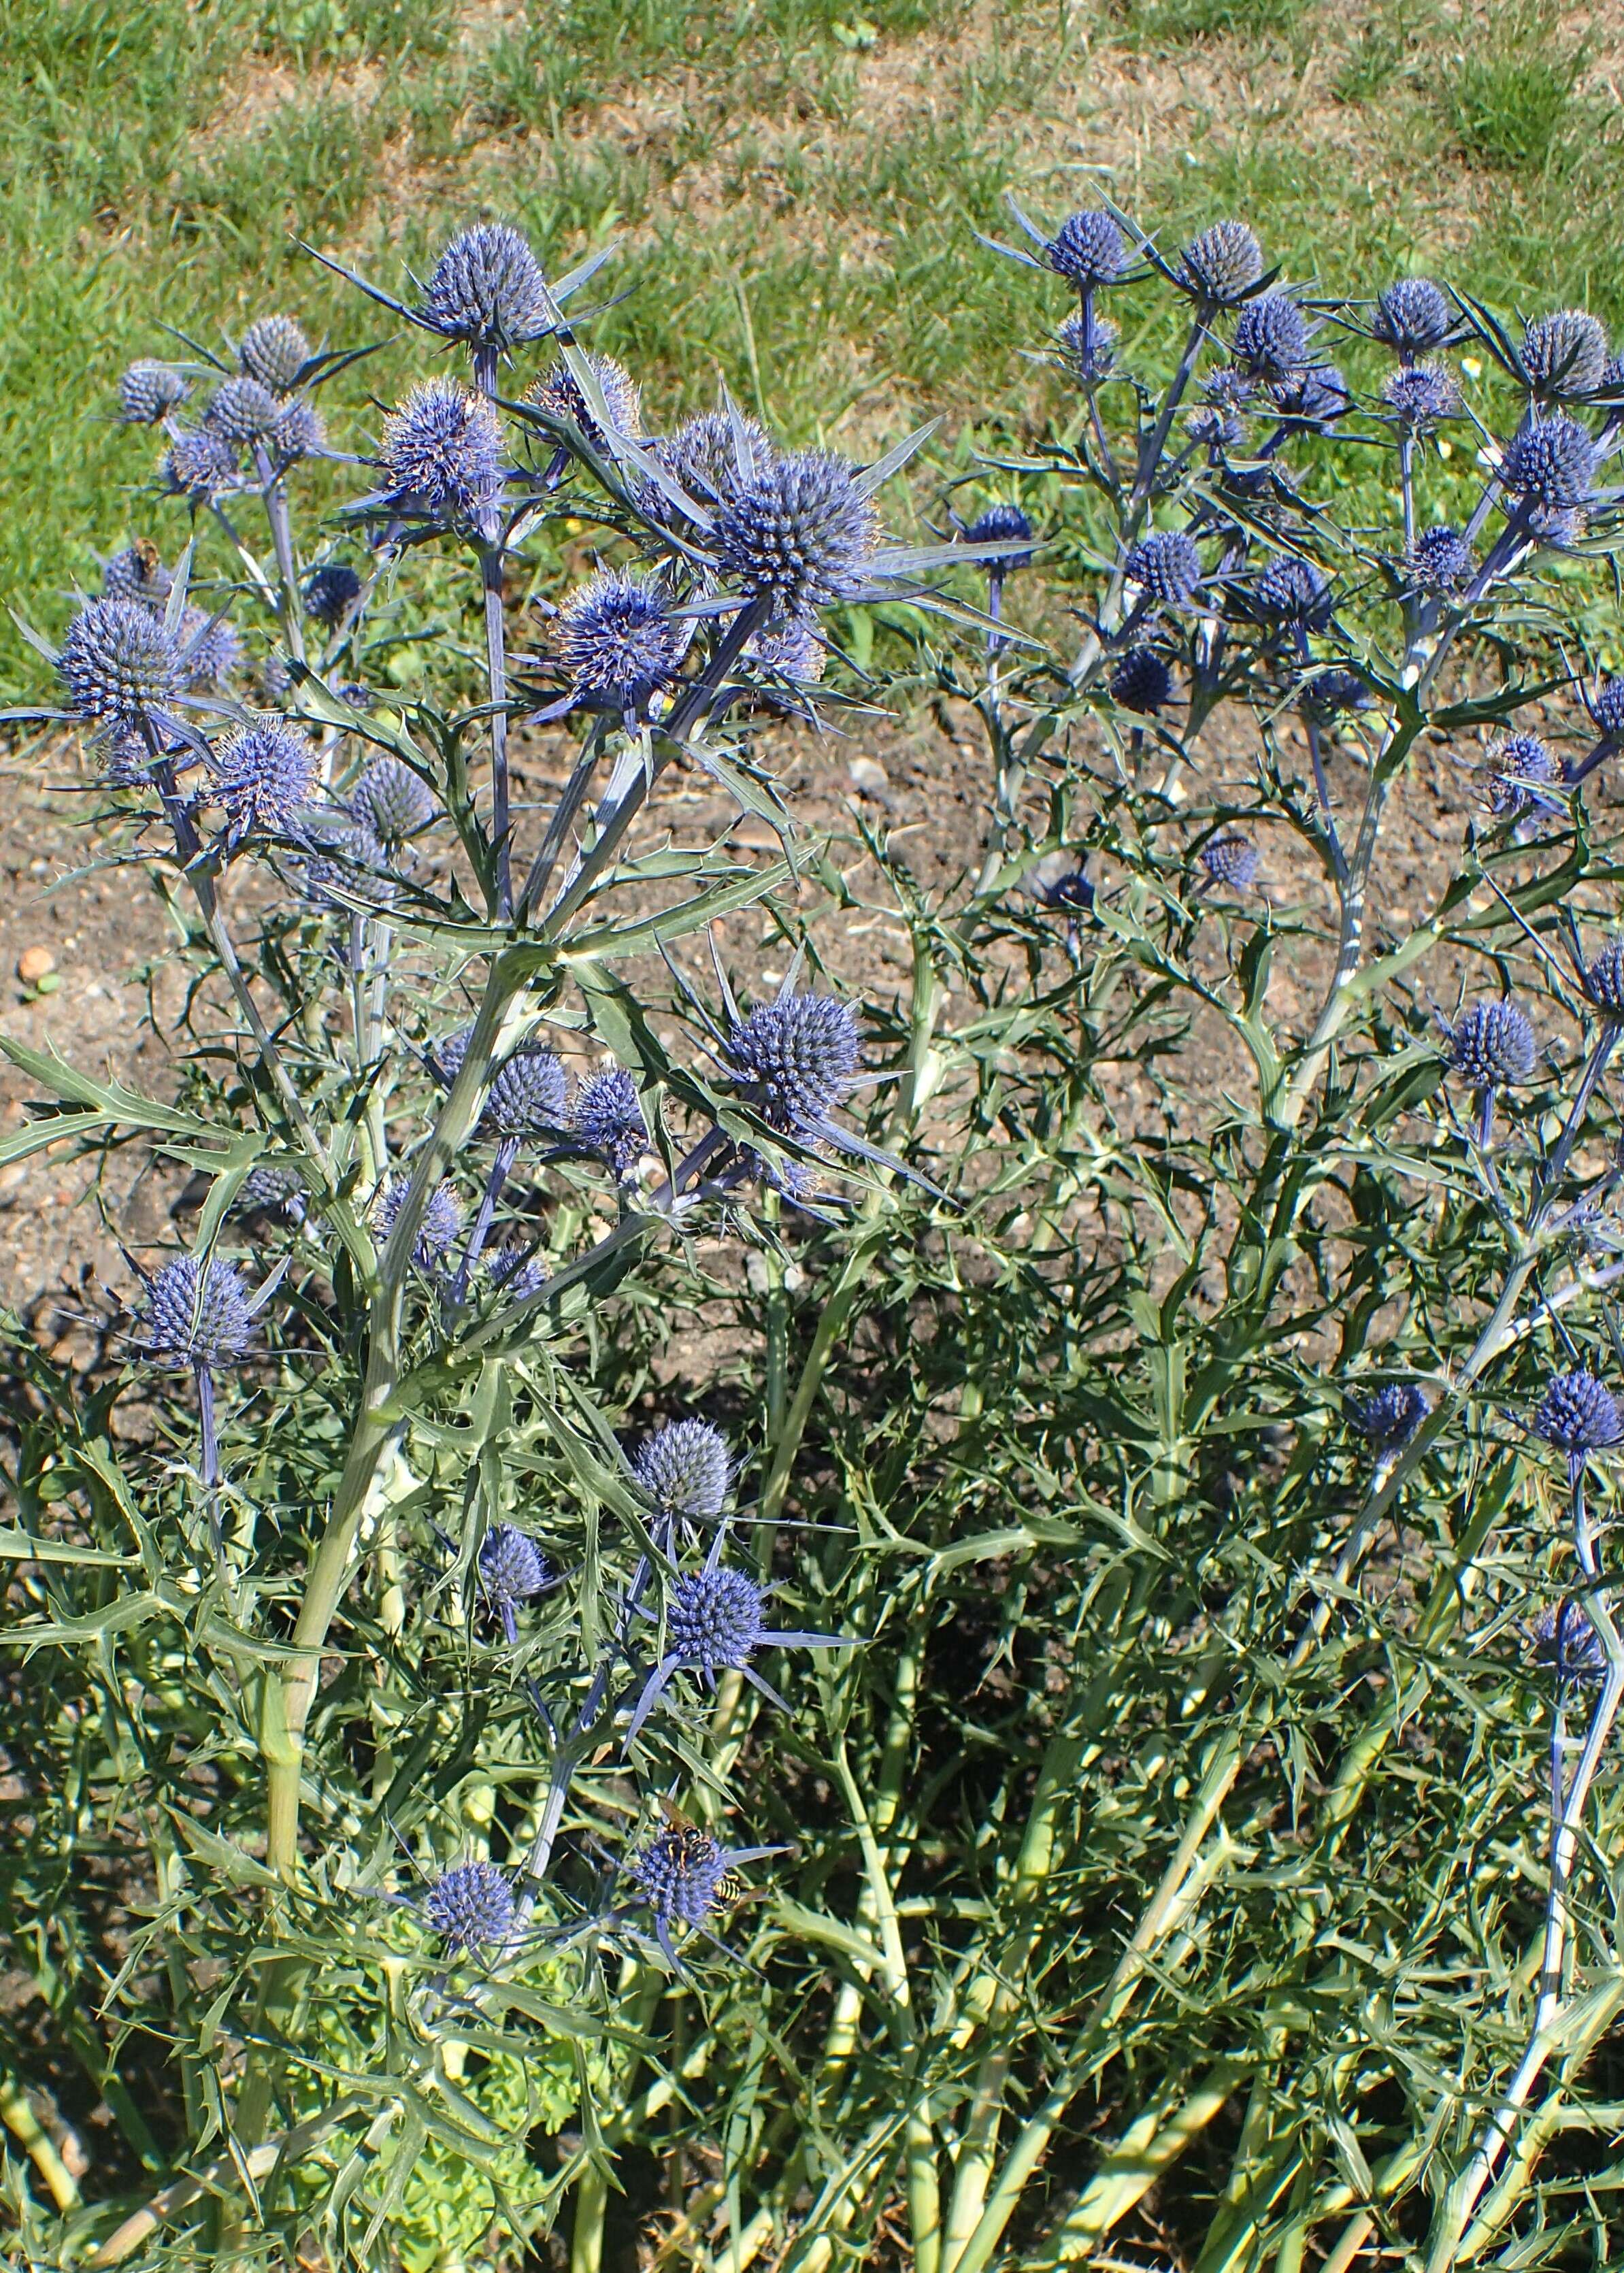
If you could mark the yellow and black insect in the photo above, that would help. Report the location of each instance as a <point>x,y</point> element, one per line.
<point>694,1849</point>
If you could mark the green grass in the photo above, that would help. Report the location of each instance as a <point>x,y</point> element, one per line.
<point>796,185</point>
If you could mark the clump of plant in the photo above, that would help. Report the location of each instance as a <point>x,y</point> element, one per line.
<point>895,1612</point>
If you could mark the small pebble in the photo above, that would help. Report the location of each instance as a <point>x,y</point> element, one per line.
<point>35,964</point>
<point>869,778</point>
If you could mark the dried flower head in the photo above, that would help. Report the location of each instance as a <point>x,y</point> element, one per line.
<point>148,392</point>
<point>1412,317</point>
<point>1491,1045</point>
<point>560,393</point>
<point>1565,354</point>
<point>1442,562</point>
<point>1221,266</point>
<point>714,1619</point>
<point>800,535</point>
<point>685,1468</point>
<point>118,663</point>
<point>265,774</point>
<point>1142,681</point>
<point>440,1222</point>
<point>794,1058</point>
<point>1389,1420</point>
<point>242,412</point>
<point>197,1313</point>
<point>472,1906</point>
<point>1578,1413</point>
<point>443,453</point>
<point>619,641</point>
<point>1165,565</point>
<point>1271,336</point>
<point>1087,249</point>
<point>331,594</point>
<point>275,350</point>
<point>606,1116</point>
<point>487,291</point>
<point>137,574</point>
<point>1230,859</point>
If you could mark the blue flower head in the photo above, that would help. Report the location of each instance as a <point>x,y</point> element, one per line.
<point>619,641</point>
<point>1606,709</point>
<point>560,393</point>
<point>1295,592</point>
<point>487,291</point>
<point>149,391</point>
<point>199,466</point>
<point>197,1313</point>
<point>1565,1639</point>
<point>137,574</point>
<point>795,1059</point>
<point>1220,267</point>
<point>1421,395</point>
<point>118,663</point>
<point>1604,982</point>
<point>1491,1045</point>
<point>1088,351</point>
<point>1389,1420</point>
<point>438,1228</point>
<point>527,1094</point>
<point>1314,396</point>
<point>1565,354</point>
<point>1578,1414</point>
<point>1230,859</point>
<point>443,453</point>
<point>1142,681</point>
<point>1165,565</point>
<point>471,1907</point>
<point>686,1470</point>
<point>241,413</point>
<point>800,535</point>
<point>606,1116</point>
<point>331,594</point>
<point>265,774</point>
<point>1442,563</point>
<point>210,650</point>
<point>1271,336</point>
<point>1002,524</point>
<point>1412,317</point>
<point>390,805</point>
<point>274,350</point>
<point>513,1570</point>
<point>1087,249</point>
<point>714,1619</point>
<point>1518,765</point>
<point>1550,464</point>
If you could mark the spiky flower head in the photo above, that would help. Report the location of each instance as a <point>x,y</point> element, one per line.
<point>619,641</point>
<point>210,650</point>
<point>791,647</point>
<point>298,432</point>
<point>681,1873</point>
<point>714,1618</point>
<point>1167,565</point>
<point>487,289</point>
<point>1230,859</point>
<point>1606,709</point>
<point>1442,562</point>
<point>197,1313</point>
<point>794,1057</point>
<point>471,1906</point>
<point>1516,764</point>
<point>268,1190</point>
<point>199,466</point>
<point>1421,395</point>
<point>391,804</point>
<point>1142,681</point>
<point>331,594</point>
<point>607,1115</point>
<point>512,1568</point>
<point>685,1468</point>
<point>137,574</point>
<point>265,774</point>
<point>1315,395</point>
<point>1604,981</point>
<point>1329,694</point>
<point>1003,524</point>
<point>440,1222</point>
<point>241,412</point>
<point>527,1097</point>
<point>126,762</point>
<point>798,535</point>
<point>1220,267</point>
<point>442,452</point>
<point>1088,348</point>
<point>273,350</point>
<point>1220,421</point>
<point>560,394</point>
<point>1550,464</point>
<point>1070,890</point>
<point>1389,1420</point>
<point>516,1275</point>
<point>118,663</point>
<point>148,392</point>
<point>1491,1045</point>
<point>702,457</point>
<point>1412,317</point>
<point>1293,591</point>
<point>1087,249</point>
<point>1578,1413</point>
<point>1271,336</point>
<point>1565,1638</point>
<point>1565,354</point>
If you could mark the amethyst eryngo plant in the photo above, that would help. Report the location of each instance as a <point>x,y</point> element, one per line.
<point>634,1653</point>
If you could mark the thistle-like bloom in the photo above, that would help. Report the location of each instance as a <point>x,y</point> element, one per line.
<point>1293,591</point>
<point>298,432</point>
<point>1421,395</point>
<point>1412,317</point>
<point>148,392</point>
<point>1565,354</point>
<point>197,1313</point>
<point>1088,350</point>
<point>1565,1639</point>
<point>1002,524</point>
<point>1271,336</point>
<point>516,1275</point>
<point>1389,1420</point>
<point>790,649</point>
<point>795,1059</point>
<point>513,1570</point>
<point>242,412</point>
<point>268,1191</point>
<point>137,574</point>
<point>686,1470</point>
<point>275,350</point>
<point>199,466</point>
<point>118,663</point>
<point>487,291</point>
<point>331,594</point>
<point>443,453</point>
<point>1491,1045</point>
<point>560,393</point>
<point>606,1116</point>
<point>1578,1414</point>
<point>714,1620</point>
<point>390,805</point>
<point>703,458</point>
<point>1142,681</point>
<point>686,1876</point>
<point>1230,859</point>
<point>1442,563</point>
<point>1070,890</point>
<point>1329,694</point>
<point>1550,464</point>
<point>471,1907</point>
<point>527,1096</point>
<point>619,641</point>
<point>440,1222</point>
<point>1316,395</point>
<point>1087,250</point>
<point>1604,982</point>
<point>1519,764</point>
<point>1167,565</point>
<point>1607,710</point>
<point>265,775</point>
<point>1221,266</point>
<point>800,534</point>
<point>1219,423</point>
<point>210,650</point>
